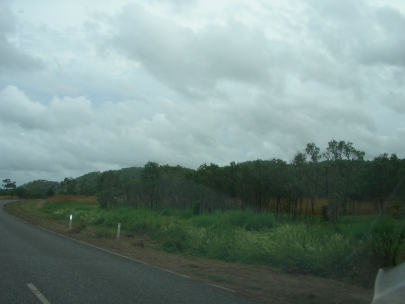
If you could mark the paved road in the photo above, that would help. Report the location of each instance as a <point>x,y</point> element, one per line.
<point>65,271</point>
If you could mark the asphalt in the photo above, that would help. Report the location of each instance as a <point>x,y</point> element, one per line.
<point>66,271</point>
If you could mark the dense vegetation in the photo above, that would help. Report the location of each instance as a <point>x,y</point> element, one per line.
<point>340,174</point>
<point>262,211</point>
<point>354,249</point>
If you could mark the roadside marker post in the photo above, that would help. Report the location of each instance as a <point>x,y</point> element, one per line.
<point>118,231</point>
<point>70,223</point>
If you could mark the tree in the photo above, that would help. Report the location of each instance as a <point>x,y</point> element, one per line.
<point>344,161</point>
<point>149,179</point>
<point>69,184</point>
<point>298,182</point>
<point>22,192</point>
<point>384,176</point>
<point>8,185</point>
<point>50,192</point>
<point>279,178</point>
<point>314,155</point>
<point>86,189</point>
<point>109,189</point>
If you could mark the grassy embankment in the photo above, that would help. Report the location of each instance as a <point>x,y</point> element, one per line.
<point>354,249</point>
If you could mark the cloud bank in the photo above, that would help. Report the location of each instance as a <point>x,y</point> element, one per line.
<point>188,83</point>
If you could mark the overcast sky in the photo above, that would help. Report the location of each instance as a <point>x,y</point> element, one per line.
<point>92,85</point>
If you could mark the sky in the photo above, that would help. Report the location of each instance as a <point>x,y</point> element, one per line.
<point>95,85</point>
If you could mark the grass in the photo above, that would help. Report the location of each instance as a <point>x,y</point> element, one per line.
<point>353,249</point>
<point>61,199</point>
<point>259,283</point>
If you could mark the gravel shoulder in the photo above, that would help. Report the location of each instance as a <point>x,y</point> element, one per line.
<point>259,283</point>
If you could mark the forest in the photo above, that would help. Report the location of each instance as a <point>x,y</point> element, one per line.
<point>340,175</point>
<point>257,212</point>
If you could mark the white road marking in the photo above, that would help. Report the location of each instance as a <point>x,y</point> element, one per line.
<point>231,290</point>
<point>37,293</point>
<point>115,253</point>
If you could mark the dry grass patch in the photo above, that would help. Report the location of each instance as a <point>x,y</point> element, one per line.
<point>85,200</point>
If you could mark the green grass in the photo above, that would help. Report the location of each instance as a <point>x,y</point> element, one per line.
<point>345,250</point>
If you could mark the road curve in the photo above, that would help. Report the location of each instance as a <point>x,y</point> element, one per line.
<point>66,271</point>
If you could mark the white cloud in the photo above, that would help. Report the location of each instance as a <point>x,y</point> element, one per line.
<point>71,112</point>
<point>10,57</point>
<point>193,82</point>
<point>16,108</point>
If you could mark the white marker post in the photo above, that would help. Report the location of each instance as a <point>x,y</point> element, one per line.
<point>118,231</point>
<point>70,223</point>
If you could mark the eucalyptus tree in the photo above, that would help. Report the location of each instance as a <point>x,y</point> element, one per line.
<point>8,185</point>
<point>69,185</point>
<point>278,190</point>
<point>246,179</point>
<point>150,175</point>
<point>231,177</point>
<point>263,180</point>
<point>344,161</point>
<point>313,173</point>
<point>298,182</point>
<point>384,177</point>
<point>109,189</point>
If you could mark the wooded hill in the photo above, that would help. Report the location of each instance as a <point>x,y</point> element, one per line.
<point>340,174</point>
<point>83,185</point>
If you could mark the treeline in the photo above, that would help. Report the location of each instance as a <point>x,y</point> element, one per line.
<point>83,185</point>
<point>339,173</point>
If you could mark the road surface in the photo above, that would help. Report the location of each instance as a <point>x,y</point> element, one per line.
<point>39,266</point>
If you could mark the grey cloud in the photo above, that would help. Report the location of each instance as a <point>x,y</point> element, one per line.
<point>340,11</point>
<point>395,100</point>
<point>338,36</point>
<point>60,114</point>
<point>358,32</point>
<point>387,44</point>
<point>16,108</point>
<point>7,21</point>
<point>178,133</point>
<point>10,57</point>
<point>189,60</point>
<point>270,85</point>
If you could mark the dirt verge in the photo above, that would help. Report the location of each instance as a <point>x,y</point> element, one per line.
<point>259,283</point>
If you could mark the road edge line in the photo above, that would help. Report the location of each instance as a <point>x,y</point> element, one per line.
<point>123,256</point>
<point>37,293</point>
<point>106,250</point>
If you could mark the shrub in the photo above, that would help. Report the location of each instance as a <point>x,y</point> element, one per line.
<point>324,213</point>
<point>259,223</point>
<point>196,208</point>
<point>382,241</point>
<point>353,248</point>
<point>78,228</point>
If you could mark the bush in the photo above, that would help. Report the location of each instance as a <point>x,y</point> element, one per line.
<point>382,241</point>
<point>259,223</point>
<point>78,228</point>
<point>324,212</point>
<point>205,220</point>
<point>196,208</point>
<point>354,248</point>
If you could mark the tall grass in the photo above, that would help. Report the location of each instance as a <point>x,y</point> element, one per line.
<point>61,199</point>
<point>340,251</point>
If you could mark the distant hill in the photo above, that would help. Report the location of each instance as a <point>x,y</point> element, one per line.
<point>37,189</point>
<point>40,185</point>
<point>85,184</point>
